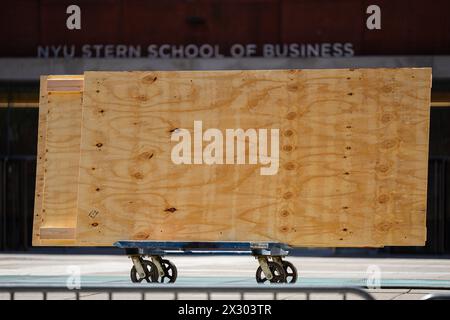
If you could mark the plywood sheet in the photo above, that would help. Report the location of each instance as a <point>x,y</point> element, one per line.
<point>57,166</point>
<point>353,147</point>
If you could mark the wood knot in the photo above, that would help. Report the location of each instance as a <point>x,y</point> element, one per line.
<point>387,117</point>
<point>99,145</point>
<point>138,175</point>
<point>149,79</point>
<point>284,213</point>
<point>146,155</point>
<point>383,168</point>
<point>384,226</point>
<point>291,115</point>
<point>171,210</point>
<point>387,89</point>
<point>389,144</point>
<point>288,195</point>
<point>94,224</point>
<point>288,133</point>
<point>289,166</point>
<point>142,236</point>
<point>383,198</point>
<point>287,148</point>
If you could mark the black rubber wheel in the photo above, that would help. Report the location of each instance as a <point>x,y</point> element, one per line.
<point>151,272</point>
<point>291,272</point>
<point>170,272</point>
<point>279,275</point>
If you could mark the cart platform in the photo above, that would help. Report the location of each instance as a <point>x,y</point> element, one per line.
<point>272,268</point>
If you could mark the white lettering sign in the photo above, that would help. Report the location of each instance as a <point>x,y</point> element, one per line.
<point>231,150</point>
<point>193,51</point>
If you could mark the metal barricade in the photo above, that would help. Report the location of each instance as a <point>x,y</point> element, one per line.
<point>436,296</point>
<point>142,290</point>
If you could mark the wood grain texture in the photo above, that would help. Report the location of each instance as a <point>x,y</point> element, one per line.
<point>60,166</point>
<point>353,157</point>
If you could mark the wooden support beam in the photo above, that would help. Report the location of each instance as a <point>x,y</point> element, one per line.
<point>65,83</point>
<point>57,233</point>
<point>57,164</point>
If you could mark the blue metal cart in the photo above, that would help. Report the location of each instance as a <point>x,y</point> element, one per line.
<point>270,255</point>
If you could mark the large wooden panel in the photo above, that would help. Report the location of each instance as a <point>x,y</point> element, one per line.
<point>57,163</point>
<point>353,157</point>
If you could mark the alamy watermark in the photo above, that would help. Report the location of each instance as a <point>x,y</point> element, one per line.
<point>229,147</point>
<point>73,281</point>
<point>373,280</point>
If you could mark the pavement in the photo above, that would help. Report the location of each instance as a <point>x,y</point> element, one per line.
<point>387,278</point>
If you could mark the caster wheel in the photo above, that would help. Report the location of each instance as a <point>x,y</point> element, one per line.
<point>279,275</point>
<point>291,272</point>
<point>170,272</point>
<point>151,272</point>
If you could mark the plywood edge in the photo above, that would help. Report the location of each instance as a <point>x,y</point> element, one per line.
<point>233,71</point>
<point>423,236</point>
<point>65,83</point>
<point>40,180</point>
<point>59,243</point>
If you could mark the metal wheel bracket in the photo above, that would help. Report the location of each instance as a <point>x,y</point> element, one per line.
<point>137,262</point>
<point>265,267</point>
<point>157,261</point>
<point>278,259</point>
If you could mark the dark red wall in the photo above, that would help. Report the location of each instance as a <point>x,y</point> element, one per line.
<point>408,26</point>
